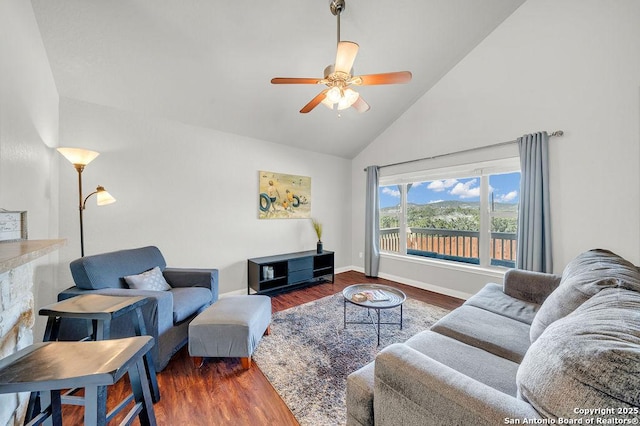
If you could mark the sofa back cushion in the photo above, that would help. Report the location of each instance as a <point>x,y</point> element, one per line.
<point>588,359</point>
<point>583,277</point>
<point>108,270</point>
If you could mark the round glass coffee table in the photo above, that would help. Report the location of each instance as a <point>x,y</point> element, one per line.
<point>376,297</point>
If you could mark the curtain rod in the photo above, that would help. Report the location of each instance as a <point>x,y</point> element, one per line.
<point>464,151</point>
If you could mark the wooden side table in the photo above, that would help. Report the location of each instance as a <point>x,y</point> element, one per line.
<point>51,366</point>
<point>99,310</point>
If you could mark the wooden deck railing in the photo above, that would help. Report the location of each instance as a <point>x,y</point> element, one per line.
<point>451,244</point>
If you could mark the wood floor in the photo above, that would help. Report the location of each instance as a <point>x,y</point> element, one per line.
<point>221,392</point>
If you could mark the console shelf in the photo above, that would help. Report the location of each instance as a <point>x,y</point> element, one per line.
<point>290,270</point>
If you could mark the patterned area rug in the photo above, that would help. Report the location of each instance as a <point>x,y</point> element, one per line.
<point>309,354</point>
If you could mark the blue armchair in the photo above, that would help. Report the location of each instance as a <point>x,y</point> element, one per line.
<point>168,313</point>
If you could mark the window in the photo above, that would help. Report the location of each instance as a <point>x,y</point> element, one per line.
<point>466,214</point>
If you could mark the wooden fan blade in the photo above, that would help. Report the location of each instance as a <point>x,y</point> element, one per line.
<point>347,51</point>
<point>386,78</point>
<point>314,102</point>
<point>287,80</point>
<point>360,105</point>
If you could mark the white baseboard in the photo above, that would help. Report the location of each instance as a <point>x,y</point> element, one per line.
<point>418,284</point>
<point>343,269</point>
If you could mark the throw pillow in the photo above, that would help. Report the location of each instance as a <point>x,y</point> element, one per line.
<point>588,359</point>
<point>149,280</point>
<point>584,276</point>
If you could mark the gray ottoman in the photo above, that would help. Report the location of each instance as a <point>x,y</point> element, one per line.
<point>231,327</point>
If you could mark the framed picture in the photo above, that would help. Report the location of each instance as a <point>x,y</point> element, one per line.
<point>283,196</point>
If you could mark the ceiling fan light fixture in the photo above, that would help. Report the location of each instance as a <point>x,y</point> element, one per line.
<point>334,95</point>
<point>327,103</point>
<point>350,96</point>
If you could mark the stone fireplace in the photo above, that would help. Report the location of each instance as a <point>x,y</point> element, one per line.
<point>17,312</point>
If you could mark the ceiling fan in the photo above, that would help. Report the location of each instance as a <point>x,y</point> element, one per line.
<point>339,78</point>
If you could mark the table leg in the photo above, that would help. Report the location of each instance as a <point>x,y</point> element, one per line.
<point>95,405</point>
<point>45,402</point>
<point>378,310</point>
<point>93,330</point>
<point>141,330</point>
<point>56,407</point>
<point>52,329</point>
<point>140,387</point>
<point>400,317</point>
<point>102,329</point>
<point>345,313</point>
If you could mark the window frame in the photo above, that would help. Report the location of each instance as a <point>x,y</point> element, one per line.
<point>480,170</point>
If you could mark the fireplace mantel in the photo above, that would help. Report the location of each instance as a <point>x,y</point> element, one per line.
<point>17,253</point>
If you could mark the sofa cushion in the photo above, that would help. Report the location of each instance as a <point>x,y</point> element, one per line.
<point>589,358</point>
<point>583,277</point>
<point>492,370</point>
<point>148,280</point>
<point>491,298</point>
<point>107,270</point>
<point>188,301</point>
<point>497,334</point>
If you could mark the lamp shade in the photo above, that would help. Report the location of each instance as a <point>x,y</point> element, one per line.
<point>78,155</point>
<point>103,197</point>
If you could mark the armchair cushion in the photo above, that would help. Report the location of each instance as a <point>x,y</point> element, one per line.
<point>188,301</point>
<point>148,280</point>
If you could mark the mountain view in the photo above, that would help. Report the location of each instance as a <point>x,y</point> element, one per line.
<point>459,215</point>
<point>452,203</point>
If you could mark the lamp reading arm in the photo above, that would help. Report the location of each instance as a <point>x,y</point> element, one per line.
<point>104,197</point>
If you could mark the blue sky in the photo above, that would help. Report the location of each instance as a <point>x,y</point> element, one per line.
<point>505,188</point>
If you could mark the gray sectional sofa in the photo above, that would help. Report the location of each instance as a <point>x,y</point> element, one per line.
<point>167,314</point>
<point>538,349</point>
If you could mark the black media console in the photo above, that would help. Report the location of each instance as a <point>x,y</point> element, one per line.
<point>289,270</point>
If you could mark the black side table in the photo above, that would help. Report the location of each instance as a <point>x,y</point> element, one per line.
<point>99,310</point>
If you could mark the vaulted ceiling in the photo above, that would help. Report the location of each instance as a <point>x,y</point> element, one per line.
<point>209,62</point>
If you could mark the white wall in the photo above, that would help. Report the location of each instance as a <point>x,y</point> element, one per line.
<point>570,65</point>
<point>28,133</point>
<point>28,120</point>
<point>28,179</point>
<point>193,192</point>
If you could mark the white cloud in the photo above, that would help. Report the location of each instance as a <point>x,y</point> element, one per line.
<point>441,185</point>
<point>505,198</point>
<point>392,192</point>
<point>435,201</point>
<point>466,190</point>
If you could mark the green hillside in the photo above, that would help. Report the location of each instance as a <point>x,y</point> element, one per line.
<point>460,215</point>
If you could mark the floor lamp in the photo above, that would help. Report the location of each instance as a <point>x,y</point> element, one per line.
<point>80,158</point>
